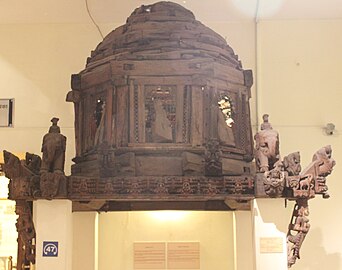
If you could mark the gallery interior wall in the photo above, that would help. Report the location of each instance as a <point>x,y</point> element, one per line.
<point>296,66</point>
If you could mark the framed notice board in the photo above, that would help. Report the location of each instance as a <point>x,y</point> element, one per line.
<point>6,112</point>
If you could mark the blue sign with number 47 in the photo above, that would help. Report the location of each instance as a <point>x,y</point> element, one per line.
<point>50,249</point>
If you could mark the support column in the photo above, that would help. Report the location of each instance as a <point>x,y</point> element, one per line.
<point>244,252</point>
<point>53,224</point>
<point>85,241</point>
<point>269,243</point>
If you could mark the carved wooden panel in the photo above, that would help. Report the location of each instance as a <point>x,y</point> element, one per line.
<point>154,187</point>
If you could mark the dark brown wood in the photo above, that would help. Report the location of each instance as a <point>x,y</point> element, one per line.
<point>121,119</point>
<point>160,188</point>
<point>197,116</point>
<point>26,235</point>
<point>298,229</point>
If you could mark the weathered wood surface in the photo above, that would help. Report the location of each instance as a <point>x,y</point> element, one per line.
<point>161,76</point>
<point>241,204</point>
<point>161,188</point>
<point>122,116</point>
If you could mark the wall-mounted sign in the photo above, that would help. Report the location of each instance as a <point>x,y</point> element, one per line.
<point>149,255</point>
<point>50,249</point>
<point>6,112</point>
<point>271,245</point>
<point>161,255</point>
<point>183,255</point>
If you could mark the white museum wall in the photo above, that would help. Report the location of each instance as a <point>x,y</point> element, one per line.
<point>298,81</point>
<point>84,241</point>
<point>300,87</point>
<point>118,231</point>
<point>53,222</point>
<point>36,63</point>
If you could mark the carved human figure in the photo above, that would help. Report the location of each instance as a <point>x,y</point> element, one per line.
<point>266,125</point>
<point>267,146</point>
<point>302,220</point>
<point>297,231</point>
<point>53,148</point>
<point>26,232</point>
<point>292,164</point>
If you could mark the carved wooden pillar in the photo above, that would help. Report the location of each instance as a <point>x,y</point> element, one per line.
<point>197,115</point>
<point>122,119</point>
<point>136,112</point>
<point>179,113</point>
<point>109,114</point>
<point>213,113</point>
<point>26,235</point>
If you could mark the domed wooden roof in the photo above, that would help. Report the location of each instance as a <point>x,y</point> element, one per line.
<point>165,31</point>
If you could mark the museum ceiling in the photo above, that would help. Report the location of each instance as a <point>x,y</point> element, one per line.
<point>115,11</point>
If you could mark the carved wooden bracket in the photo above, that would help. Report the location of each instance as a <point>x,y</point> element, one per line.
<point>298,229</point>
<point>26,235</point>
<point>284,178</point>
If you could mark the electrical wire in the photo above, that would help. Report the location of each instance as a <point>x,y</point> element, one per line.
<point>256,20</point>
<point>92,19</point>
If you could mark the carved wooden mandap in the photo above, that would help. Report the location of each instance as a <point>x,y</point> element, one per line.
<point>148,122</point>
<point>162,121</point>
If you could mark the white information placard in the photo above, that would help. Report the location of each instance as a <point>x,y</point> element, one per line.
<point>149,255</point>
<point>271,245</point>
<point>183,255</point>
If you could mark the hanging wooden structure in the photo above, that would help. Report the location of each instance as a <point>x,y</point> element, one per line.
<point>162,114</point>
<point>162,121</point>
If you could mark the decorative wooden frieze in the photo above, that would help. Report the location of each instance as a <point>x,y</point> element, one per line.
<point>153,187</point>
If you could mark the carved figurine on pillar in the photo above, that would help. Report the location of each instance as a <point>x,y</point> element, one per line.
<point>267,146</point>
<point>35,177</point>
<point>52,177</point>
<point>298,229</point>
<point>26,235</point>
<point>283,178</point>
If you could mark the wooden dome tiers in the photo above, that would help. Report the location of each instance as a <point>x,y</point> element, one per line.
<point>162,113</point>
